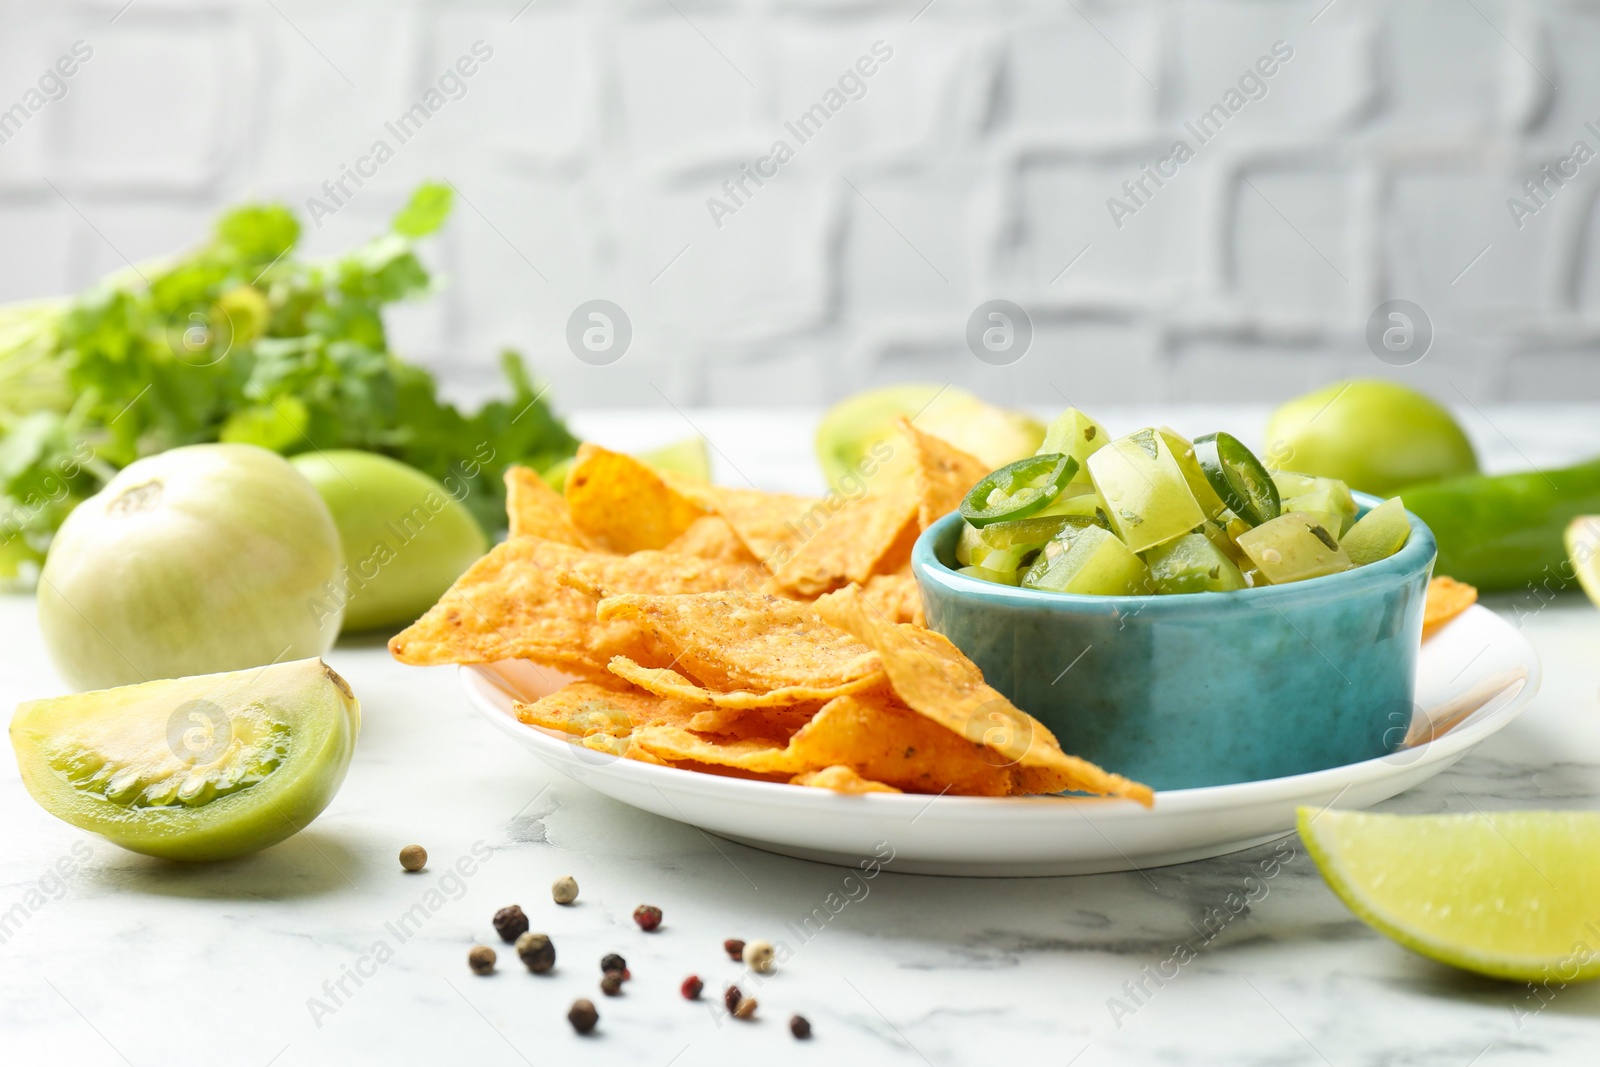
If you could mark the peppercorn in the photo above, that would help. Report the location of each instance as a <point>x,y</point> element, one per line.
<point>564,889</point>
<point>691,987</point>
<point>731,998</point>
<point>481,959</point>
<point>746,1008</point>
<point>537,953</point>
<point>799,1027</point>
<point>413,857</point>
<point>647,916</point>
<point>734,948</point>
<point>759,956</point>
<point>510,923</point>
<point>611,984</point>
<point>582,1015</point>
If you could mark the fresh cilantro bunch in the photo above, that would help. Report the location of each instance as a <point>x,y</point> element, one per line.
<point>240,340</point>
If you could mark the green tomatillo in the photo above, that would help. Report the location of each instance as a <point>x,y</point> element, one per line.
<point>1375,436</point>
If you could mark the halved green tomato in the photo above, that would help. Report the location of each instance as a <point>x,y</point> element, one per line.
<point>201,768</point>
<point>1018,489</point>
<point>1238,476</point>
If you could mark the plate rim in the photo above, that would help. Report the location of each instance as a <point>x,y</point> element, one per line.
<point>475,678</point>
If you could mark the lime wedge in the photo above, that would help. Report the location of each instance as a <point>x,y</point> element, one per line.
<point>1511,894</point>
<point>1583,549</point>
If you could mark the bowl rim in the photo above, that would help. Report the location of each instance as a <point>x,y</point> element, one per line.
<point>1416,556</point>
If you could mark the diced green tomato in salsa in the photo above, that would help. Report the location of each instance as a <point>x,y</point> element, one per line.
<point>1079,500</point>
<point>1183,452</point>
<point>1088,560</point>
<point>999,577</point>
<point>1031,532</point>
<point>1192,564</point>
<point>1320,496</point>
<point>1378,534</point>
<point>1223,531</point>
<point>1146,497</point>
<point>968,540</point>
<point>973,551</point>
<point>1077,435</point>
<point>1294,547</point>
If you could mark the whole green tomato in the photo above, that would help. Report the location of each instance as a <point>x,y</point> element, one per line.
<point>1375,436</point>
<point>405,537</point>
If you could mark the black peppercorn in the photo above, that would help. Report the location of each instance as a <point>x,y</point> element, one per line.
<point>799,1027</point>
<point>481,959</point>
<point>613,962</point>
<point>536,952</point>
<point>510,923</point>
<point>611,984</point>
<point>582,1015</point>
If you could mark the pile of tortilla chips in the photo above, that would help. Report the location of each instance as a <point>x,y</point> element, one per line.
<point>748,633</point>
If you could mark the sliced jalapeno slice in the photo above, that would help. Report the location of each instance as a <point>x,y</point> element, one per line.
<point>1238,477</point>
<point>1018,489</point>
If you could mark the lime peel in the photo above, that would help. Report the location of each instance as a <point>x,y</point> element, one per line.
<point>1512,895</point>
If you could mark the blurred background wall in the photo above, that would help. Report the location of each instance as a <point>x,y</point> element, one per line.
<point>978,160</point>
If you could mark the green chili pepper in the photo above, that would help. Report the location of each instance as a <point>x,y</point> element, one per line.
<point>1503,531</point>
<point>1018,489</point>
<point>1238,477</point>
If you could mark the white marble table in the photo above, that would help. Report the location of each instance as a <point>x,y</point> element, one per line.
<point>128,960</point>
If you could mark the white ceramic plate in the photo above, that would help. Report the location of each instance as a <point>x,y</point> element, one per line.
<point>1474,677</point>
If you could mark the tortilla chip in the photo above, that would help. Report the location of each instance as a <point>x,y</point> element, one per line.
<point>895,597</point>
<point>850,542</point>
<point>841,780</point>
<point>1446,599</point>
<point>536,510</point>
<point>777,723</point>
<point>710,537</point>
<point>878,737</point>
<point>666,682</point>
<point>934,678</point>
<point>944,473</point>
<point>623,505</point>
<point>730,641</point>
<point>515,603</point>
<point>587,709</point>
<point>756,754</point>
<point>771,525</point>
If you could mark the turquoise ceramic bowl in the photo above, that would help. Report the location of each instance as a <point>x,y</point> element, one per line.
<point>1199,689</point>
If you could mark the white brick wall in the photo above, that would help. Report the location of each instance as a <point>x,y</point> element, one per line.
<point>976,164</point>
